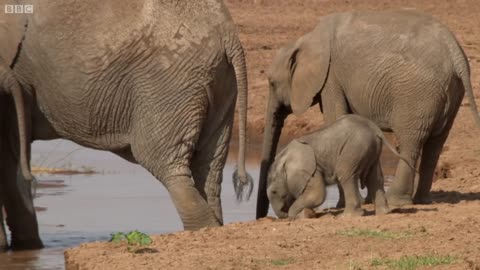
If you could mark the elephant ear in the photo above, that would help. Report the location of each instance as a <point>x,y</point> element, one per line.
<point>12,30</point>
<point>309,65</point>
<point>300,165</point>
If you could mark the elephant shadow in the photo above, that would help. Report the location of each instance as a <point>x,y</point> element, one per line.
<point>412,210</point>
<point>441,196</point>
<point>338,211</point>
<point>454,197</point>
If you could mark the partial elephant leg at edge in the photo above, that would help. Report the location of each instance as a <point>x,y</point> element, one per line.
<point>21,216</point>
<point>191,206</point>
<point>3,234</point>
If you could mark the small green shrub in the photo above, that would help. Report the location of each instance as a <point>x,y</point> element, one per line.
<point>374,234</point>
<point>413,262</point>
<point>282,262</point>
<point>134,239</point>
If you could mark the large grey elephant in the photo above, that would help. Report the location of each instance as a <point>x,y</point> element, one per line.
<point>402,69</point>
<point>345,152</point>
<point>155,82</point>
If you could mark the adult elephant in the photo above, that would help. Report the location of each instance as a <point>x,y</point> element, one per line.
<point>400,68</point>
<point>155,82</point>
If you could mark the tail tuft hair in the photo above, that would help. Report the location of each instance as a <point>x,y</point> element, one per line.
<point>242,183</point>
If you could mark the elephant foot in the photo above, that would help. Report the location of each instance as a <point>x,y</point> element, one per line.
<point>422,199</point>
<point>340,204</point>
<point>307,213</point>
<point>198,226</point>
<point>382,210</point>
<point>367,200</point>
<point>358,212</point>
<point>3,241</point>
<point>26,244</point>
<point>396,201</point>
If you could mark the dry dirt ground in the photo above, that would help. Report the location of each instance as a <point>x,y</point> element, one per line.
<point>447,230</point>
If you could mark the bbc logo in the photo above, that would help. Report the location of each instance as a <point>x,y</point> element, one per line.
<point>18,8</point>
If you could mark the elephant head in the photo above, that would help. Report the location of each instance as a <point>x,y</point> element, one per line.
<point>296,77</point>
<point>289,175</point>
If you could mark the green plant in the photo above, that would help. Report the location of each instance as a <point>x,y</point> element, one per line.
<point>413,262</point>
<point>282,262</point>
<point>374,233</point>
<point>134,239</point>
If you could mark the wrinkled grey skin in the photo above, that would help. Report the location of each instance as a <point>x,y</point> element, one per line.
<point>402,69</point>
<point>155,82</point>
<point>346,152</point>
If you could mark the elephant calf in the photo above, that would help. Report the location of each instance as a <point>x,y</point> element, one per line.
<point>344,152</point>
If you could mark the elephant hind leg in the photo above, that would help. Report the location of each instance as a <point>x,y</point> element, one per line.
<point>430,155</point>
<point>352,199</point>
<point>192,208</point>
<point>176,176</point>
<point>207,168</point>
<point>211,149</point>
<point>375,182</point>
<point>349,178</point>
<point>401,190</point>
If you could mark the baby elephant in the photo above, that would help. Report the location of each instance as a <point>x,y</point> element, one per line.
<point>345,152</point>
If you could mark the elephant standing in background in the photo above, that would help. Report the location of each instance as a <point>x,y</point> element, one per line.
<point>155,82</point>
<point>401,69</point>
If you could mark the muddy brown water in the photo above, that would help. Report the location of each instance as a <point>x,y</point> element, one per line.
<point>74,209</point>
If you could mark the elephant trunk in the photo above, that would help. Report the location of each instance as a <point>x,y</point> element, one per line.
<point>11,85</point>
<point>241,179</point>
<point>274,119</point>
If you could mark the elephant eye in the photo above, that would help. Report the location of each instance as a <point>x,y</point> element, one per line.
<point>274,192</point>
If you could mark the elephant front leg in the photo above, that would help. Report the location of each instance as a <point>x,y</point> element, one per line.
<point>333,103</point>
<point>352,198</point>
<point>297,207</point>
<point>312,197</point>
<point>341,197</point>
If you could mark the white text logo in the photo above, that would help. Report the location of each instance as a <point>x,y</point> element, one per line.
<point>18,8</point>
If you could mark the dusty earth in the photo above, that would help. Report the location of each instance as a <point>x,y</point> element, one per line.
<point>448,229</point>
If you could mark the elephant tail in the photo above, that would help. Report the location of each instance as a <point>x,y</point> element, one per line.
<point>390,147</point>
<point>10,84</point>
<point>464,75</point>
<point>394,151</point>
<point>241,179</point>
